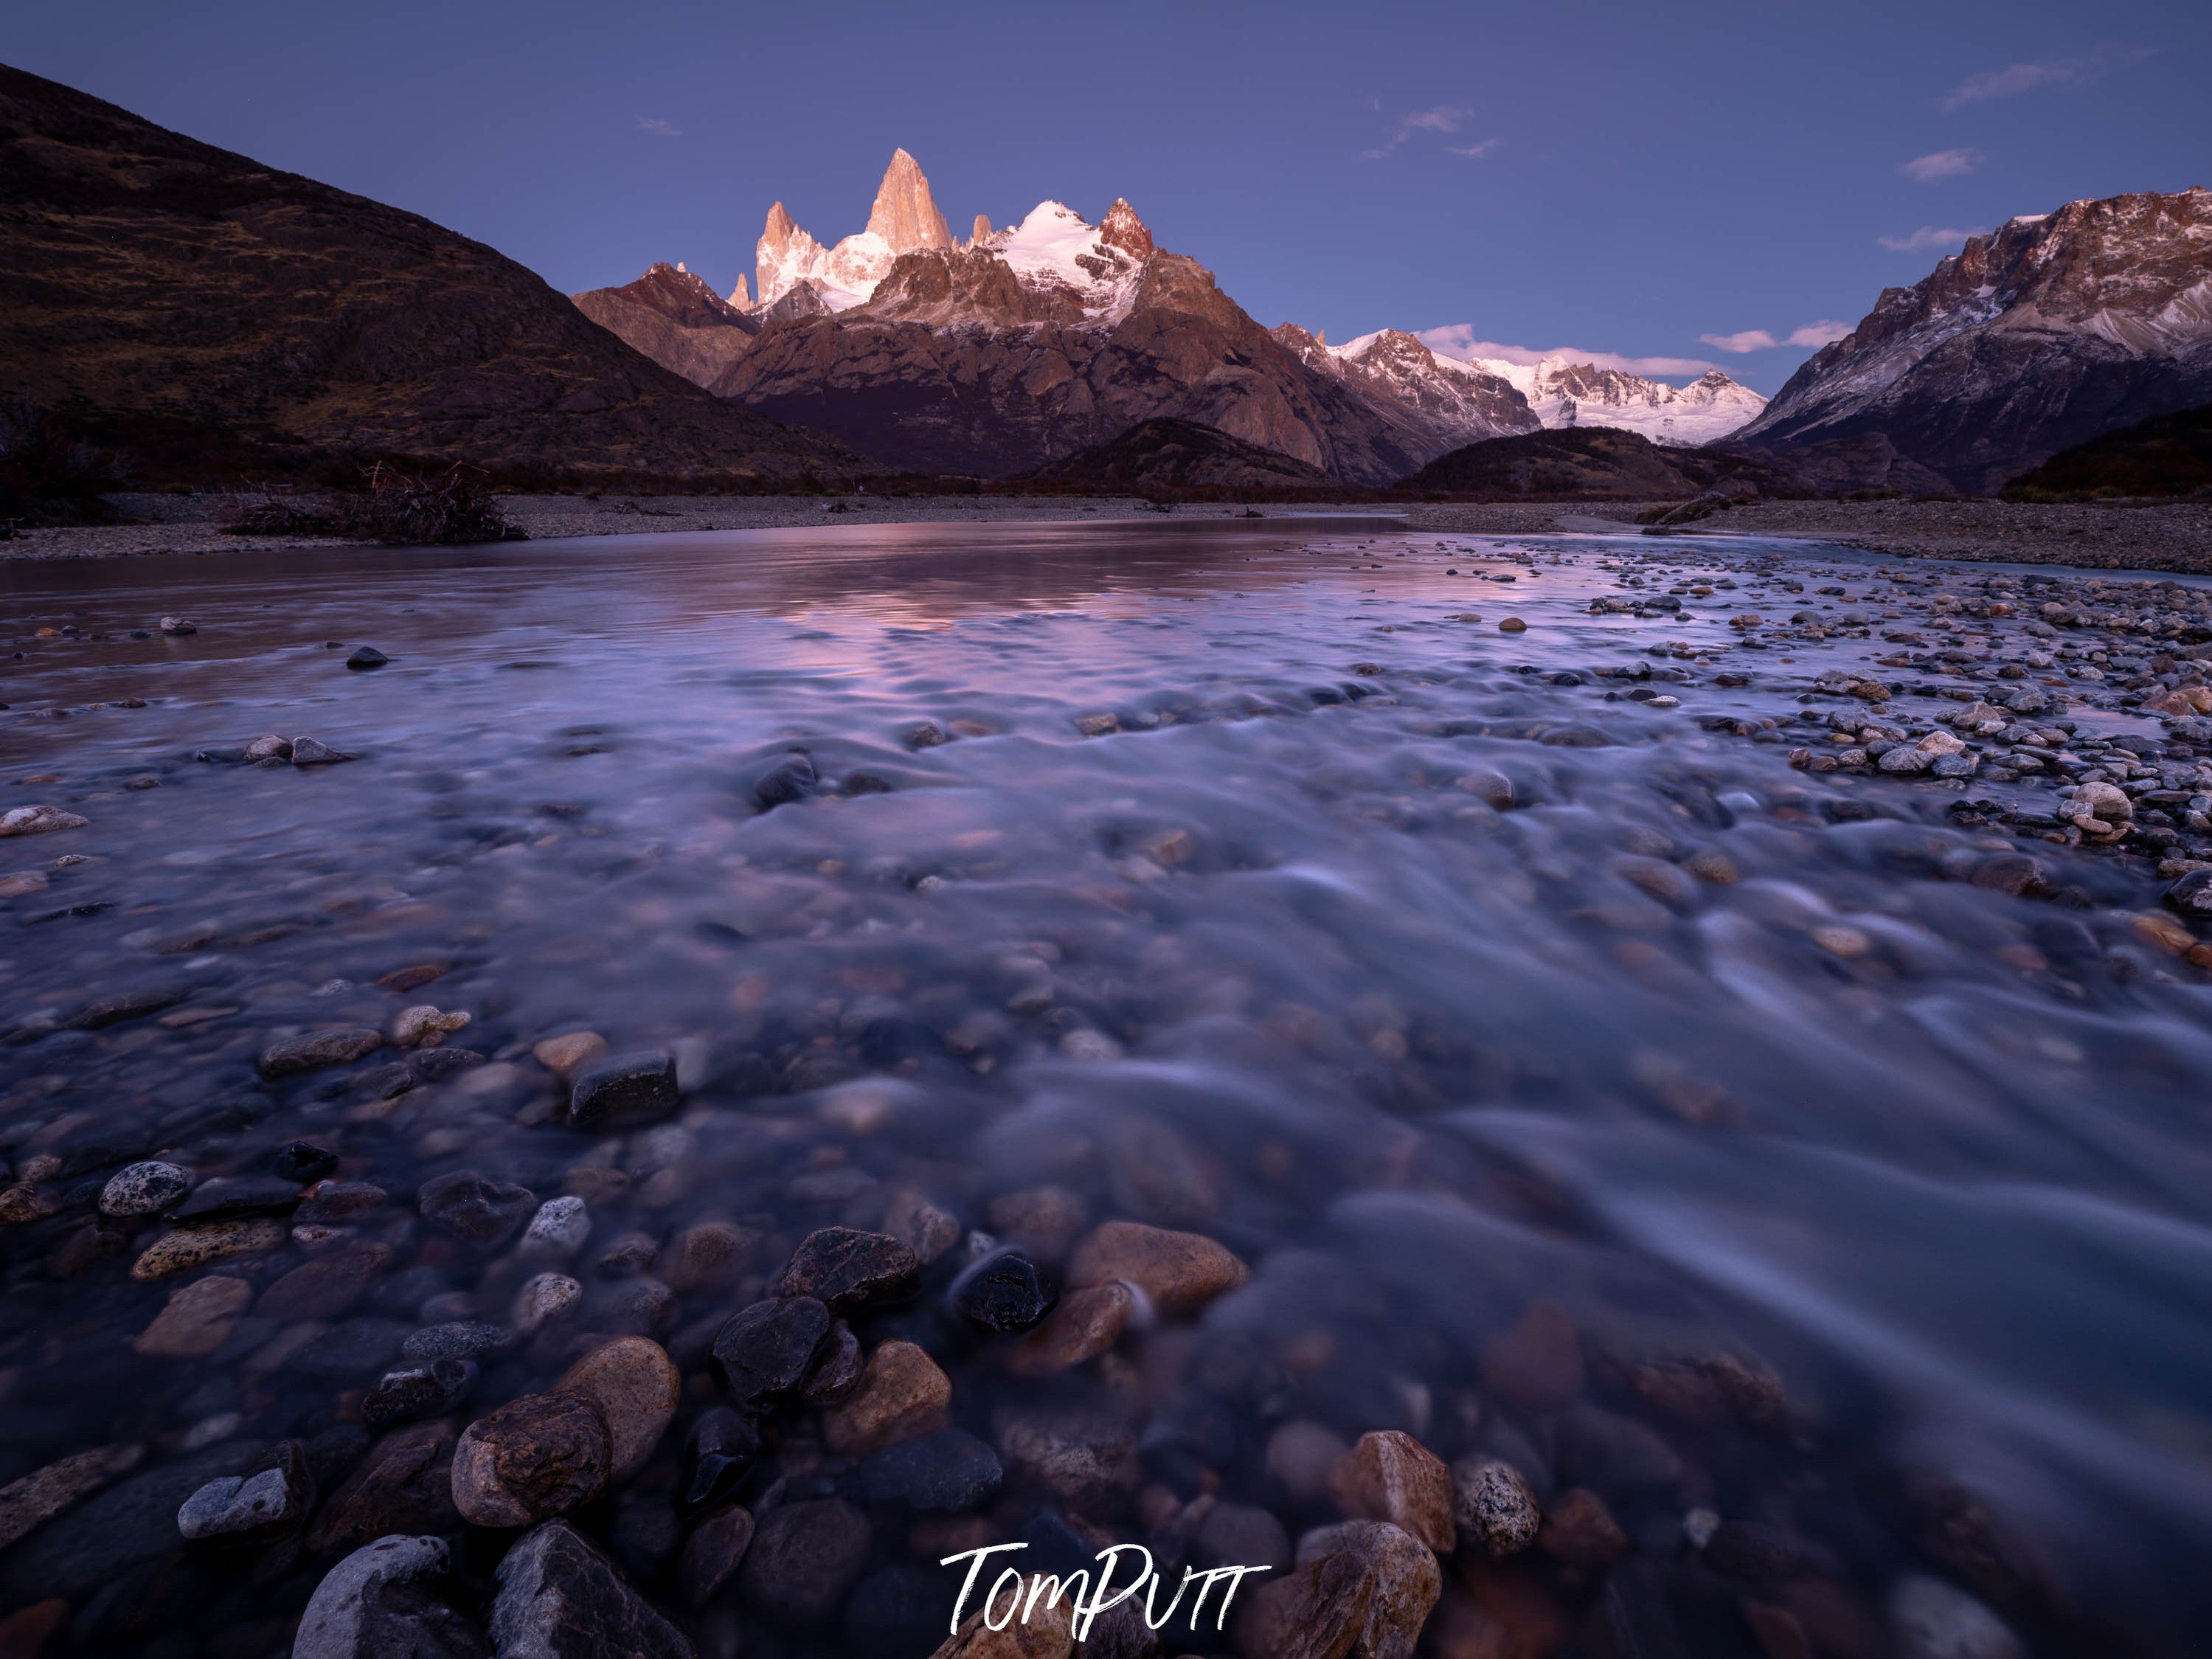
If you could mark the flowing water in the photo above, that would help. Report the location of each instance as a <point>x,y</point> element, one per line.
<point>1584,1087</point>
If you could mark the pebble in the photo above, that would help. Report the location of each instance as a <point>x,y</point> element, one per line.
<point>837,1369</point>
<point>417,1391</point>
<point>637,1387</point>
<point>546,1297</point>
<point>624,1092</point>
<point>39,821</point>
<point>1390,1476</point>
<point>562,1055</point>
<point>558,1231</point>
<point>708,1254</point>
<point>805,1558</point>
<point>405,1484</point>
<point>270,748</point>
<point>314,751</point>
<point>188,1247</point>
<point>327,1286</point>
<point>366,657</point>
<point>1178,1272</point>
<point>946,1469</point>
<point>535,1458</point>
<point>1003,1294</point>
<point>422,1024</point>
<point>1492,1505</point>
<point>922,1226</point>
<point>560,1598</point>
<point>1362,1588</point>
<point>1048,1632</point>
<point>713,1552</point>
<point>763,1353</point>
<point>261,1504</point>
<point>229,1196</point>
<point>1086,1457</point>
<point>478,1208</point>
<point>1086,1323</point>
<point>196,1320</point>
<point>380,1602</point>
<point>458,1340</point>
<point>37,1498</point>
<point>845,1268</point>
<point>902,1393</point>
<point>1580,1530</point>
<point>722,1446</point>
<point>304,1161</point>
<point>318,1049</point>
<point>144,1189</point>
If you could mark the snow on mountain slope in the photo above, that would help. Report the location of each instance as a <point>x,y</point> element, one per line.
<point>1446,403</point>
<point>1564,392</point>
<point>904,220</point>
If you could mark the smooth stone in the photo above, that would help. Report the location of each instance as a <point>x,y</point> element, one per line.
<point>382,1602</point>
<point>195,1320</point>
<point>903,1394</point>
<point>318,1049</point>
<point>325,1287</point>
<point>562,1055</point>
<point>1492,1505</point>
<point>713,1552</point>
<point>723,1444</point>
<point>1087,1323</point>
<point>559,1228</point>
<point>949,1469</point>
<point>269,748</point>
<point>367,657</point>
<point>345,1352</point>
<point>763,1353</point>
<point>417,1392</point>
<point>1363,1587</point>
<point>637,1387</point>
<point>304,1161</point>
<point>425,1022</point>
<point>624,1092</point>
<point>533,1458</point>
<point>1390,1476</point>
<point>41,1495</point>
<point>1003,1293</point>
<point>144,1189</point>
<point>845,1269</point>
<point>262,1502</point>
<point>229,1196</point>
<point>804,1559</point>
<point>459,1338</point>
<point>545,1298</point>
<point>708,1254</point>
<point>559,1598</point>
<point>1178,1272</point>
<point>188,1247</point>
<point>837,1369</point>
<point>404,1484</point>
<point>478,1208</point>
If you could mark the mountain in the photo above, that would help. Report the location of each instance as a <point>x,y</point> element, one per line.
<point>2051,330</point>
<point>1180,458</point>
<point>1022,345</point>
<point>1442,404</point>
<point>1592,464</point>
<point>1564,392</point>
<point>2166,455</point>
<point>211,315</point>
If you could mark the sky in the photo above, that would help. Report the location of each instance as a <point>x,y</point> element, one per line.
<point>1662,187</point>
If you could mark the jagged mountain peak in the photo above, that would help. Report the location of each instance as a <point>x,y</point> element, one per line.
<point>905,214</point>
<point>1122,228</point>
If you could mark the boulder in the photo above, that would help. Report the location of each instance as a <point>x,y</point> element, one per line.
<point>846,1269</point>
<point>532,1459</point>
<point>559,1598</point>
<point>383,1601</point>
<point>637,1387</point>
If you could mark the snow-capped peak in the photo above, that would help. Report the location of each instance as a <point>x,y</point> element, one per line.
<point>904,220</point>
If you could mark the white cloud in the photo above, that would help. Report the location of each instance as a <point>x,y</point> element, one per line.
<point>1473,152</point>
<point>1929,239</point>
<point>659,127</point>
<point>1458,340</point>
<point>1752,339</point>
<point>2077,70</point>
<point>1817,334</point>
<point>1444,118</point>
<point>1933,169</point>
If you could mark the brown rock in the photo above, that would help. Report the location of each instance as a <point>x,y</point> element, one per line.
<point>1538,1364</point>
<point>188,1247</point>
<point>404,1485</point>
<point>327,1287</point>
<point>1048,1633</point>
<point>1178,1272</point>
<point>1580,1530</point>
<point>637,1387</point>
<point>714,1551</point>
<point>1040,1221</point>
<point>1304,1455</point>
<point>1492,1506</point>
<point>318,1049</point>
<point>45,1493</point>
<point>903,1394</point>
<point>562,1055</point>
<point>711,1253</point>
<point>1085,1324</point>
<point>1391,1476</point>
<point>1364,1587</point>
<point>924,1228</point>
<point>1495,1613</point>
<point>532,1459</point>
<point>1087,1459</point>
<point>195,1320</point>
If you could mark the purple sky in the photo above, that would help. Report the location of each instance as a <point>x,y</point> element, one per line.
<point>1677,186</point>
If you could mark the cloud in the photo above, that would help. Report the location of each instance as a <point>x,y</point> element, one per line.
<point>659,127</point>
<point>1758,339</point>
<point>1444,118</point>
<point>1933,169</point>
<point>1473,152</point>
<point>1817,334</point>
<point>1458,340</point>
<point>1929,239</point>
<point>2062,73</point>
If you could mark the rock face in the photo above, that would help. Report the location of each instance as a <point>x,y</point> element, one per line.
<point>1437,403</point>
<point>214,314</point>
<point>672,317</point>
<point>2048,331</point>
<point>561,1599</point>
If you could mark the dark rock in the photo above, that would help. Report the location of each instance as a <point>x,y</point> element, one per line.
<point>624,1090</point>
<point>318,1049</point>
<point>459,1338</point>
<point>304,1161</point>
<point>804,1558</point>
<point>266,1501</point>
<point>1760,1554</point>
<point>384,1601</point>
<point>791,779</point>
<point>404,1485</point>
<point>532,1459</point>
<point>837,1369</point>
<point>713,1552</point>
<point>1004,1293</point>
<point>845,1268</point>
<point>765,1351</point>
<point>346,1352</point>
<point>314,751</point>
<point>436,1065</point>
<point>951,1469</point>
<point>95,1542</point>
<point>367,657</point>
<point>2192,893</point>
<point>325,1287</point>
<point>478,1208</point>
<point>561,1599</point>
<point>144,1189</point>
<point>645,1534</point>
<point>235,1196</point>
<point>723,1444</point>
<point>418,1391</point>
<point>331,1203</point>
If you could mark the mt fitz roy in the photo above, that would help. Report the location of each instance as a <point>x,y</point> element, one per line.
<point>998,353</point>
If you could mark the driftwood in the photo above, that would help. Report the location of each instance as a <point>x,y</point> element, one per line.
<point>395,507</point>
